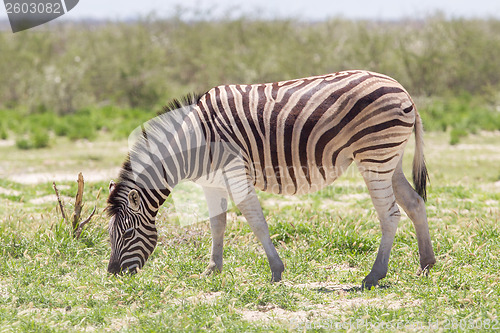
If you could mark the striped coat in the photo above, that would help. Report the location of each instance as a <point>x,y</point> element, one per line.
<point>289,137</point>
<point>297,136</point>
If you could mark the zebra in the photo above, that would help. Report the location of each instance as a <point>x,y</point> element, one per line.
<point>289,137</point>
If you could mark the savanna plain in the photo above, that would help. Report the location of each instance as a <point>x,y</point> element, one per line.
<point>328,241</point>
<point>65,112</point>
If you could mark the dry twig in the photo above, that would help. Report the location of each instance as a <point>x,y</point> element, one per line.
<point>79,229</point>
<point>63,213</point>
<point>76,224</point>
<point>78,202</point>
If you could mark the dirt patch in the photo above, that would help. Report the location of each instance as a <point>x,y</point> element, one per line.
<point>480,147</point>
<point>5,290</point>
<point>285,201</point>
<point>271,313</point>
<point>311,313</point>
<point>354,197</point>
<point>177,237</point>
<point>118,324</point>
<point>205,298</point>
<point>45,177</point>
<point>208,298</point>
<point>318,313</point>
<point>329,203</point>
<point>6,191</point>
<point>49,198</point>
<point>7,143</point>
<point>490,187</point>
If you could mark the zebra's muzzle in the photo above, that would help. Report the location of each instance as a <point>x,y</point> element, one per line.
<point>131,269</point>
<point>114,267</point>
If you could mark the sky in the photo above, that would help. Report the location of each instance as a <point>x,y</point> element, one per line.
<point>306,10</point>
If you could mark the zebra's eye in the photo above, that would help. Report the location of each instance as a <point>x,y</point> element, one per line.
<point>127,234</point>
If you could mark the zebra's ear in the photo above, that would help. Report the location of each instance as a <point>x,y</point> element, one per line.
<point>134,200</point>
<point>112,186</point>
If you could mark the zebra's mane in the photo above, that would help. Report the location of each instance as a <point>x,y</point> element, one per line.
<point>117,199</point>
<point>177,103</point>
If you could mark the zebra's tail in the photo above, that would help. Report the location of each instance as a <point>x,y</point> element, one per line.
<point>420,174</point>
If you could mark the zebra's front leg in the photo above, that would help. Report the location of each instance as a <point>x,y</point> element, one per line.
<point>217,208</point>
<point>251,209</point>
<point>382,195</point>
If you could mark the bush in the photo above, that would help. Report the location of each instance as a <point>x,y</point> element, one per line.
<point>461,115</point>
<point>38,138</point>
<point>114,76</point>
<point>61,127</point>
<point>142,64</point>
<point>23,143</point>
<point>456,134</point>
<point>81,128</point>
<point>3,132</point>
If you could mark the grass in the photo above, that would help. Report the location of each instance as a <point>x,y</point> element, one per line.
<point>72,105</point>
<point>458,116</point>
<point>328,241</point>
<point>38,129</point>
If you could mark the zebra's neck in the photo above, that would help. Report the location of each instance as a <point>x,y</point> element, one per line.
<point>164,152</point>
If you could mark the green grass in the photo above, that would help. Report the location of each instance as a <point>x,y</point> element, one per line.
<point>328,241</point>
<point>458,116</point>
<point>37,130</point>
<point>69,100</point>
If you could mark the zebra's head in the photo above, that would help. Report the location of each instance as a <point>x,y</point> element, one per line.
<point>132,234</point>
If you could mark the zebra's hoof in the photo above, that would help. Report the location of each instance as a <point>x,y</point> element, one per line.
<point>276,277</point>
<point>423,270</point>
<point>368,283</point>
<point>211,269</point>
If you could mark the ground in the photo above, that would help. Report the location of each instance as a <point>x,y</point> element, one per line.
<point>328,242</point>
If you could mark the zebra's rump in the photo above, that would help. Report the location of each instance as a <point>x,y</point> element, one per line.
<point>298,136</point>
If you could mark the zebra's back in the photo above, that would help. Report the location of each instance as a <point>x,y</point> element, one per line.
<point>298,136</point>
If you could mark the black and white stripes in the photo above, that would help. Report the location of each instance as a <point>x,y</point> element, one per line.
<point>289,137</point>
<point>298,135</point>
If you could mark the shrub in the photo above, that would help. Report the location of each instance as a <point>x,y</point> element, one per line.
<point>462,114</point>
<point>61,127</point>
<point>154,60</point>
<point>23,143</point>
<point>68,84</point>
<point>456,134</point>
<point>81,127</point>
<point>3,132</point>
<point>40,138</point>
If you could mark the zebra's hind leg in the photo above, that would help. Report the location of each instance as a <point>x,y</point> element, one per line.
<point>414,207</point>
<point>382,195</point>
<point>217,208</point>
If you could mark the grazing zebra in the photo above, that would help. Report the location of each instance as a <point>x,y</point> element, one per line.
<point>289,137</point>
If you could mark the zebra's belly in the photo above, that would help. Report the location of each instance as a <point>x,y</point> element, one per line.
<point>297,182</point>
